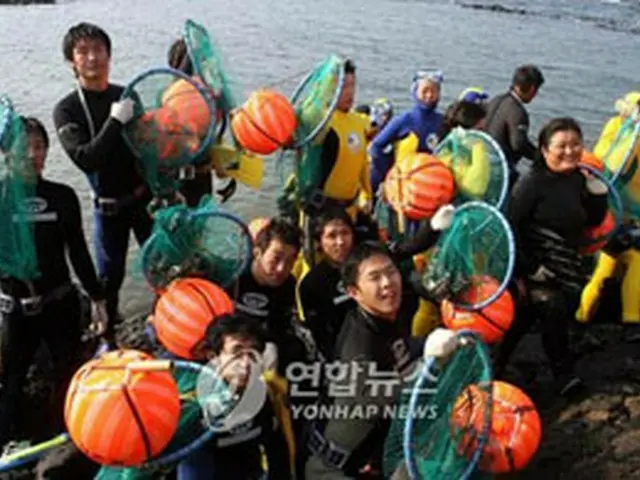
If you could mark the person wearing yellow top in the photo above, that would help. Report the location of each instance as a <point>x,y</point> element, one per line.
<point>623,249</point>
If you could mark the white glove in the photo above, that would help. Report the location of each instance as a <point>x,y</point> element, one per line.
<point>270,357</point>
<point>440,343</point>
<point>596,186</point>
<point>443,218</point>
<point>542,274</point>
<point>99,317</point>
<point>123,110</point>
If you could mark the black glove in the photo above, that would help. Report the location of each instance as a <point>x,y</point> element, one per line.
<point>228,190</point>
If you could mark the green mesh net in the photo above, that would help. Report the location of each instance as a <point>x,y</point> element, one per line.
<point>18,256</point>
<point>478,164</point>
<point>621,166</point>
<point>173,124</point>
<point>204,242</point>
<point>299,173</point>
<point>473,259</point>
<point>316,99</point>
<point>208,65</point>
<point>439,437</point>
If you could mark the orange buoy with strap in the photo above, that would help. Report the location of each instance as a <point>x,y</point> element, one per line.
<point>120,416</point>
<point>184,311</point>
<point>601,233</point>
<point>265,123</point>
<point>418,184</point>
<point>190,106</point>
<point>516,429</point>
<point>490,322</point>
<point>160,133</point>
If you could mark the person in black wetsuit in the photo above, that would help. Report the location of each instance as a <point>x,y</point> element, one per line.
<point>549,210</point>
<point>47,308</point>
<point>323,299</point>
<point>266,290</point>
<point>199,179</point>
<point>372,335</point>
<point>507,120</point>
<point>89,124</point>
<point>234,453</point>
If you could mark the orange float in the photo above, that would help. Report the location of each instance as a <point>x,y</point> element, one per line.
<point>515,432</point>
<point>184,311</point>
<point>601,233</point>
<point>190,106</point>
<point>265,123</point>
<point>119,416</point>
<point>491,322</point>
<point>418,185</point>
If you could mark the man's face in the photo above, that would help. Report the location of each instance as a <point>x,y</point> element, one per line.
<point>275,263</point>
<point>91,59</point>
<point>348,94</point>
<point>236,359</point>
<point>378,289</point>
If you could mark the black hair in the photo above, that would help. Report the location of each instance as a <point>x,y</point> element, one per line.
<point>365,109</point>
<point>461,114</point>
<point>328,215</point>
<point>349,67</point>
<point>34,126</point>
<point>279,229</point>
<point>526,77</point>
<point>79,32</point>
<point>235,325</point>
<point>178,57</point>
<point>562,124</point>
<point>360,253</point>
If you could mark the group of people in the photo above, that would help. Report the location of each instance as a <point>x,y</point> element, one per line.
<point>351,301</point>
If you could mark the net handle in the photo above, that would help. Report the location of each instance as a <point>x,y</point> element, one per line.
<point>129,92</point>
<point>332,106</point>
<point>629,153</point>
<point>504,166</point>
<point>511,260</point>
<point>613,195</point>
<point>466,339</point>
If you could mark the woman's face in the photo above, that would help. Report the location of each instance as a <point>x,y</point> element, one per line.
<point>564,151</point>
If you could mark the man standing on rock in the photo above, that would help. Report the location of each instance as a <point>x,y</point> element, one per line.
<point>89,123</point>
<point>507,120</point>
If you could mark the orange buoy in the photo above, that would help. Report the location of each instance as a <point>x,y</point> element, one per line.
<point>265,123</point>
<point>515,432</point>
<point>588,158</point>
<point>418,185</point>
<point>159,134</point>
<point>190,106</point>
<point>184,311</point>
<point>600,233</point>
<point>119,416</point>
<point>491,322</point>
<point>256,225</point>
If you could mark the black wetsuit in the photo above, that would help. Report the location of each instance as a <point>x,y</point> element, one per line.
<point>325,304</point>
<point>507,121</point>
<point>235,454</point>
<point>55,212</point>
<point>120,193</point>
<point>549,213</point>
<point>364,340</point>
<point>273,307</point>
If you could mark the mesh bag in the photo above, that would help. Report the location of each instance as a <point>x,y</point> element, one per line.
<point>204,242</point>
<point>621,166</point>
<point>18,256</point>
<point>315,99</point>
<point>299,173</point>
<point>477,248</point>
<point>478,164</point>
<point>431,440</point>
<point>208,65</point>
<point>173,124</point>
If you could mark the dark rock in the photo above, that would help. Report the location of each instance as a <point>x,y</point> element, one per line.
<point>27,2</point>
